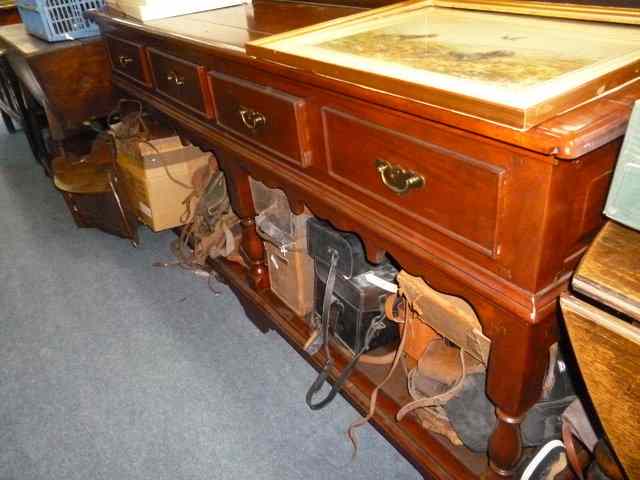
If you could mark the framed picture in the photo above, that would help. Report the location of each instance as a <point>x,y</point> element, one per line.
<point>511,62</point>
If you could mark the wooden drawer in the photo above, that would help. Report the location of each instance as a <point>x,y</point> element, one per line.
<point>128,58</point>
<point>275,120</point>
<point>181,81</point>
<point>427,185</point>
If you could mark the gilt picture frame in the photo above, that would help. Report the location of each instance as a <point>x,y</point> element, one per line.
<point>510,62</point>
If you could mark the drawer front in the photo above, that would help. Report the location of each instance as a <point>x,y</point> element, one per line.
<point>181,81</point>
<point>128,58</point>
<point>425,184</point>
<point>274,120</point>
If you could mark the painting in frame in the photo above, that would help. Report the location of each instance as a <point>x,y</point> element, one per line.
<point>512,63</point>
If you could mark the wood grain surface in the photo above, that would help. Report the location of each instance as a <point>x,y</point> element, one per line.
<point>610,271</point>
<point>608,353</point>
<point>71,80</point>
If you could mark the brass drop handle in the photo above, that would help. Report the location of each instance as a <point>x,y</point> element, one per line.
<point>251,118</point>
<point>397,179</point>
<point>175,78</point>
<point>124,60</point>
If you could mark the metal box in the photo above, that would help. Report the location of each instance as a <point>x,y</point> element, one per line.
<point>357,303</point>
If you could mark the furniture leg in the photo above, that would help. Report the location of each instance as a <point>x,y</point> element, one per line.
<point>29,109</point>
<point>28,128</point>
<point>517,368</point>
<point>242,201</point>
<point>36,142</point>
<point>8,122</point>
<point>31,119</point>
<point>7,105</point>
<point>17,96</point>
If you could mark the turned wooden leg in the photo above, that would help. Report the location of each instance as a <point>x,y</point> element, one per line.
<point>254,250</point>
<point>242,202</point>
<point>517,367</point>
<point>505,445</point>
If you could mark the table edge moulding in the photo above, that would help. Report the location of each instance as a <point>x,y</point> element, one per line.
<point>502,218</point>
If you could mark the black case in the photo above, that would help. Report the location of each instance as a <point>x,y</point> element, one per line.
<point>323,239</point>
<point>357,303</point>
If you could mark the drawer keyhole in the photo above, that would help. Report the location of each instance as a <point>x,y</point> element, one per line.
<point>397,179</point>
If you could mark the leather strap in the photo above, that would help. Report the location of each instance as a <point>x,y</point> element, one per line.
<point>376,325</point>
<point>327,302</point>
<point>390,309</point>
<point>569,445</point>
<point>436,400</point>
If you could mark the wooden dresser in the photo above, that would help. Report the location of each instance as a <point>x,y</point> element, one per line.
<point>501,220</point>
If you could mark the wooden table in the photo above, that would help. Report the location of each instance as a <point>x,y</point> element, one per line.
<point>502,222</point>
<point>610,271</point>
<point>606,344</point>
<point>70,80</point>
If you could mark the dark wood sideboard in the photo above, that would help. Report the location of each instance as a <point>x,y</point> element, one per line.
<point>70,80</point>
<point>502,220</point>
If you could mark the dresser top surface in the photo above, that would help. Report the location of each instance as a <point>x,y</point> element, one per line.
<point>569,135</point>
<point>233,27</point>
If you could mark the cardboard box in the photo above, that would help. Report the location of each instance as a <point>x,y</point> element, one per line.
<point>285,236</point>
<point>276,222</point>
<point>291,276</point>
<point>159,183</point>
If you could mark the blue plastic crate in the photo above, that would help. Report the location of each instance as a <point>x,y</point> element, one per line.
<point>58,20</point>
